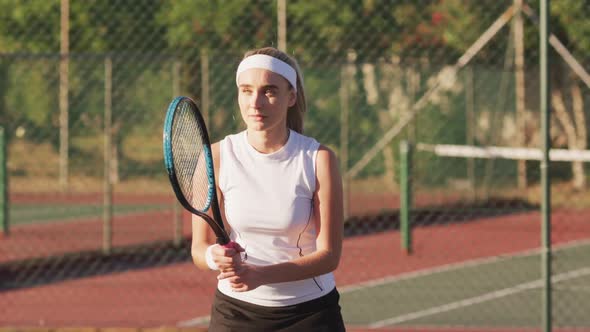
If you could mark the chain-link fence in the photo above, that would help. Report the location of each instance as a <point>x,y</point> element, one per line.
<point>94,237</point>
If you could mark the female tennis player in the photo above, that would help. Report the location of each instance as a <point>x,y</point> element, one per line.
<point>281,197</point>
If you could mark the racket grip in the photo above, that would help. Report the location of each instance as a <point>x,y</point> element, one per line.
<point>231,244</point>
<point>241,251</point>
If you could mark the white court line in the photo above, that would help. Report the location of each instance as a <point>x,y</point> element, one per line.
<point>202,320</point>
<point>481,298</point>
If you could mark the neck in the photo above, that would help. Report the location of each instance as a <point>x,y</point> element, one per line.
<point>268,141</point>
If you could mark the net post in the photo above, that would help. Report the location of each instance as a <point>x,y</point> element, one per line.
<point>3,186</point>
<point>406,195</point>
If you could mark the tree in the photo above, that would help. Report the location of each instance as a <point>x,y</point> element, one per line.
<point>16,22</point>
<point>231,25</point>
<point>570,24</point>
<point>29,40</point>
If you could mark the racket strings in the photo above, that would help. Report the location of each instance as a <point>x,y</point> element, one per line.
<point>190,163</point>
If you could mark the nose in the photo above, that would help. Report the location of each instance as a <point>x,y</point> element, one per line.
<point>257,100</point>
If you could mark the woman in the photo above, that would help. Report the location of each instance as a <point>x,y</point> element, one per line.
<point>281,196</point>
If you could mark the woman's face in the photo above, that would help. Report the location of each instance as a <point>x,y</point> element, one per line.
<point>264,98</point>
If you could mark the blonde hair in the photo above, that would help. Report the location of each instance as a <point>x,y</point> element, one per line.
<point>296,112</point>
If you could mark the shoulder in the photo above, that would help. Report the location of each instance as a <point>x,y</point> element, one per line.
<point>227,141</point>
<point>326,157</point>
<point>305,143</point>
<point>328,177</point>
<point>215,148</point>
<point>327,166</point>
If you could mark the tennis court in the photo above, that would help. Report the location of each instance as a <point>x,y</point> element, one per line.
<point>431,298</point>
<point>48,225</point>
<point>437,112</point>
<point>446,284</point>
<point>494,288</point>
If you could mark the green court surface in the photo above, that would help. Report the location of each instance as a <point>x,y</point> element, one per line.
<point>20,214</point>
<point>502,292</point>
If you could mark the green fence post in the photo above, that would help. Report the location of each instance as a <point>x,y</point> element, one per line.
<point>3,186</point>
<point>406,195</point>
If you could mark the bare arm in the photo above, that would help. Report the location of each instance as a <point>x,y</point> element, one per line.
<point>202,235</point>
<point>328,217</point>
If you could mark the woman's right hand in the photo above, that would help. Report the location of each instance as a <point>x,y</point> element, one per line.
<point>227,258</point>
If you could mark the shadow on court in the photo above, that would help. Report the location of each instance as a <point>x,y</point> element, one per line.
<point>459,212</point>
<point>48,270</point>
<point>58,268</point>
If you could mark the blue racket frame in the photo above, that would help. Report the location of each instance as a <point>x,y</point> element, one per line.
<point>216,222</point>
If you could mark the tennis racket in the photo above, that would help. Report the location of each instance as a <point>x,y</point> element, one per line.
<point>189,163</point>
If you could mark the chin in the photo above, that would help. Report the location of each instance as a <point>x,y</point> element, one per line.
<point>257,126</point>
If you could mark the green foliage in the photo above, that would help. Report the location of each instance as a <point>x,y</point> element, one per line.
<point>144,39</point>
<point>38,20</point>
<point>115,26</point>
<point>375,29</point>
<point>573,24</point>
<point>29,95</point>
<point>204,24</point>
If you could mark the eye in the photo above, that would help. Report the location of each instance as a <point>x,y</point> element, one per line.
<point>270,92</point>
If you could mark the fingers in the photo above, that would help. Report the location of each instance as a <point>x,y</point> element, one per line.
<point>236,283</point>
<point>226,258</point>
<point>227,250</point>
<point>234,271</point>
<point>232,275</point>
<point>231,266</point>
<point>239,287</point>
<point>243,278</point>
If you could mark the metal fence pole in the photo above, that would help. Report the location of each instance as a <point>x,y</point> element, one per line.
<point>470,130</point>
<point>406,195</point>
<point>4,222</point>
<point>520,89</point>
<point>344,128</point>
<point>282,24</point>
<point>176,208</point>
<point>545,180</point>
<point>64,135</point>
<point>107,215</point>
<point>205,86</point>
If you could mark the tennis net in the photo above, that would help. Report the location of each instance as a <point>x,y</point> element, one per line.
<point>493,170</point>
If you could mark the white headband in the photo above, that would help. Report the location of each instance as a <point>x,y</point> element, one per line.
<point>268,62</point>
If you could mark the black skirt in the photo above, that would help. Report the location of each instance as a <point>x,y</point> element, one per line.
<point>319,315</point>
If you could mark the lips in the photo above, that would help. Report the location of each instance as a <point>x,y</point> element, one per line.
<point>257,117</point>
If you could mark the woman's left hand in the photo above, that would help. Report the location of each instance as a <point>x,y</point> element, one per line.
<point>243,278</point>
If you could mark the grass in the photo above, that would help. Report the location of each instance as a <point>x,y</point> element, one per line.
<point>41,213</point>
<point>87,184</point>
<point>33,168</point>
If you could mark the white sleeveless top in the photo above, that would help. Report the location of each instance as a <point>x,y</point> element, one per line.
<point>268,204</point>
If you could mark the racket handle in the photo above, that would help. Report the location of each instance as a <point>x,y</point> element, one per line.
<point>224,241</point>
<point>238,249</point>
<point>231,244</point>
